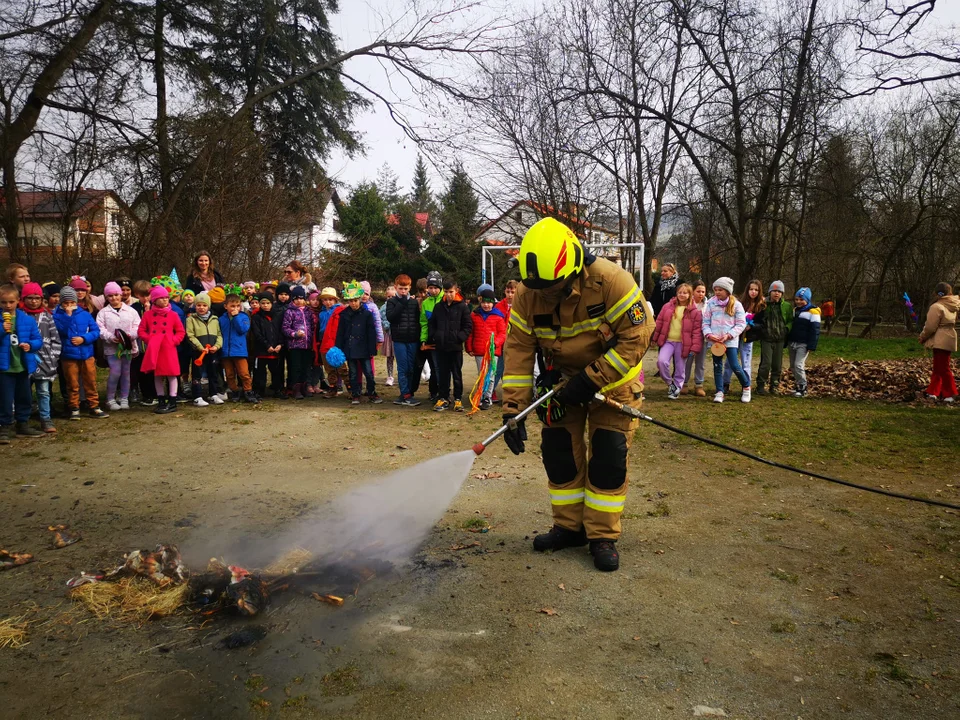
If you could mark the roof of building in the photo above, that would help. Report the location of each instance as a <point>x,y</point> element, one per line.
<point>578,225</point>
<point>54,204</point>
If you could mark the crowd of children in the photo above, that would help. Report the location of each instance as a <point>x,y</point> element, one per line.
<point>689,325</point>
<point>163,344</point>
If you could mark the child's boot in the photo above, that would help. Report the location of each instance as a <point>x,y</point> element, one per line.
<point>47,426</point>
<point>298,391</point>
<point>171,404</point>
<point>6,432</point>
<point>251,397</point>
<point>700,391</point>
<point>24,430</point>
<point>161,407</point>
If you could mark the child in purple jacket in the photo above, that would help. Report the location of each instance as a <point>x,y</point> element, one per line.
<point>299,324</point>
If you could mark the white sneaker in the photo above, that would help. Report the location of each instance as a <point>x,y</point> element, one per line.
<point>216,400</point>
<point>718,397</point>
<point>124,404</point>
<point>389,380</point>
<point>673,393</point>
<point>931,397</point>
<point>948,400</point>
<point>745,397</point>
<point>223,398</point>
<point>112,405</point>
<point>200,402</point>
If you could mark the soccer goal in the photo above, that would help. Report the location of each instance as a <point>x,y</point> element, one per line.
<point>601,249</point>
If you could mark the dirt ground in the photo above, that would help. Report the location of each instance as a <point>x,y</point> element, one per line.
<point>743,588</point>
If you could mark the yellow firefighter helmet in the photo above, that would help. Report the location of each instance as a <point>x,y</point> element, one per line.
<point>550,253</point>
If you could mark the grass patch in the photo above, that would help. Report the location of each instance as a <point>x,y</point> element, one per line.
<point>298,701</point>
<point>781,516</point>
<point>831,347</point>
<point>893,670</point>
<point>822,431</point>
<point>254,682</point>
<point>781,574</point>
<point>474,523</point>
<point>782,626</point>
<point>661,509</point>
<point>342,681</point>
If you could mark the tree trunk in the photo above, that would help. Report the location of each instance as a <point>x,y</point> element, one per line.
<point>160,79</point>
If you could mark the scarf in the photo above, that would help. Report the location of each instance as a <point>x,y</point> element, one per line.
<point>668,283</point>
<point>204,318</point>
<point>723,303</point>
<point>28,311</point>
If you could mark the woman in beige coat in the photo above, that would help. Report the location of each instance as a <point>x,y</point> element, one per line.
<point>940,335</point>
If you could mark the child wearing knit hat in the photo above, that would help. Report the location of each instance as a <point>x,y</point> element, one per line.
<point>78,332</point>
<point>777,321</point>
<point>49,355</point>
<point>204,340</point>
<point>119,325</point>
<point>162,331</point>
<point>803,337</point>
<point>20,342</point>
<point>723,321</point>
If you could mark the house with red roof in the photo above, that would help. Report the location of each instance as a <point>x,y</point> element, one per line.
<point>87,222</point>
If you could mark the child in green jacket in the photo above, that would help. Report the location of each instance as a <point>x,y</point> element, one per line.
<point>777,320</point>
<point>203,331</point>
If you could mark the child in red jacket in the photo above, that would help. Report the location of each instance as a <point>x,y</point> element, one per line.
<point>678,333</point>
<point>487,321</point>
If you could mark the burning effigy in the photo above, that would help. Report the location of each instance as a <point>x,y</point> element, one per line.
<point>153,584</point>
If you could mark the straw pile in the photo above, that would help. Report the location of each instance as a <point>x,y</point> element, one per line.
<point>290,562</point>
<point>130,599</point>
<point>13,632</point>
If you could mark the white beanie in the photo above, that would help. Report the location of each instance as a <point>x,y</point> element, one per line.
<point>725,283</point>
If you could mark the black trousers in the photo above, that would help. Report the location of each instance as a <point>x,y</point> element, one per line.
<point>299,366</point>
<point>260,367</point>
<point>425,357</point>
<point>211,364</point>
<point>142,380</point>
<point>449,365</point>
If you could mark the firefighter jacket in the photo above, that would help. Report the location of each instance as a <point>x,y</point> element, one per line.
<point>601,325</point>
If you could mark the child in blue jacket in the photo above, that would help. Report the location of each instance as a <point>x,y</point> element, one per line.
<point>803,337</point>
<point>78,332</point>
<point>234,326</point>
<point>20,342</point>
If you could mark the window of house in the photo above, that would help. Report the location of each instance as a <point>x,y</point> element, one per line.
<point>519,216</point>
<point>336,225</point>
<point>114,219</point>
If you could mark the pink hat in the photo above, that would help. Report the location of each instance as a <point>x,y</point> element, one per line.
<point>159,291</point>
<point>31,288</point>
<point>366,286</point>
<point>111,288</point>
<point>78,283</point>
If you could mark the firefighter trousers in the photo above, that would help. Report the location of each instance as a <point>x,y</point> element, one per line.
<point>588,480</point>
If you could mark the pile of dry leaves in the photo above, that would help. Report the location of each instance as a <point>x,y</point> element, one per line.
<point>887,380</point>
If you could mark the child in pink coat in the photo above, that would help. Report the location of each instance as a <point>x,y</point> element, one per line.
<point>678,334</point>
<point>162,331</point>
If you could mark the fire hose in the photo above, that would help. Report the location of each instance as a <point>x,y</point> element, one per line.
<point>635,413</point>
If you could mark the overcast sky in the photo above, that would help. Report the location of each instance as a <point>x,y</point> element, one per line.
<point>358,22</point>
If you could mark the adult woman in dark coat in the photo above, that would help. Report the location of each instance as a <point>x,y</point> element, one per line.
<point>666,288</point>
<point>203,276</point>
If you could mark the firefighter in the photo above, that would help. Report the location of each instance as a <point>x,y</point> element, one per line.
<point>583,320</point>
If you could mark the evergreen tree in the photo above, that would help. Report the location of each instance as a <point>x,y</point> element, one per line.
<point>453,250</point>
<point>420,196</point>
<point>388,187</point>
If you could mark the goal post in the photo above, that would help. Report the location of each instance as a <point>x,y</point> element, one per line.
<point>486,257</point>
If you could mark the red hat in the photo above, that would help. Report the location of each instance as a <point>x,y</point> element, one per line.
<point>78,283</point>
<point>31,288</point>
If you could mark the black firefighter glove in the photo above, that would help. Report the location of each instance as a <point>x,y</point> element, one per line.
<point>579,390</point>
<point>551,411</point>
<point>516,433</point>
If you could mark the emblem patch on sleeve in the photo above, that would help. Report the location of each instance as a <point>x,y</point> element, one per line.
<point>637,313</point>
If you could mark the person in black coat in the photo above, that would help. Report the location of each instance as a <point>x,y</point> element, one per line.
<point>403,314</point>
<point>266,341</point>
<point>665,289</point>
<point>447,330</point>
<point>202,270</point>
<point>357,338</point>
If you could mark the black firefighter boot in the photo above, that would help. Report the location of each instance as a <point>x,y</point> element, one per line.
<point>605,555</point>
<point>559,538</point>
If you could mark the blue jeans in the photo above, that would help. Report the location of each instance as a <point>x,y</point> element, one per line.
<point>733,358</point>
<point>746,361</point>
<point>406,353</point>
<point>16,400</point>
<point>43,397</point>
